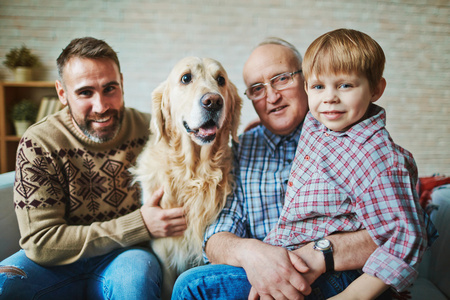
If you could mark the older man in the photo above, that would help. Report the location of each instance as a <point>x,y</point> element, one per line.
<point>233,244</point>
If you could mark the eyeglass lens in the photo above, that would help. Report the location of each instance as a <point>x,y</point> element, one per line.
<point>278,82</point>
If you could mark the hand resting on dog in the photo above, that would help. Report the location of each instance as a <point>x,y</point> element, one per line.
<point>162,222</point>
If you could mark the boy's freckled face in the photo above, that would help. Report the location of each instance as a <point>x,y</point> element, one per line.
<point>339,101</point>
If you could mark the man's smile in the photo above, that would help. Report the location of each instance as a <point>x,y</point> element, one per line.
<point>277,109</point>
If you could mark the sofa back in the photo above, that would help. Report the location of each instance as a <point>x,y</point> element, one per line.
<point>9,229</point>
<point>437,266</point>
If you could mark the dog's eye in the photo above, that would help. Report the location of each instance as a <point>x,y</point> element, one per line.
<point>186,78</point>
<point>221,80</point>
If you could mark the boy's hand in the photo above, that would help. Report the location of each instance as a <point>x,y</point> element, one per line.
<point>162,222</point>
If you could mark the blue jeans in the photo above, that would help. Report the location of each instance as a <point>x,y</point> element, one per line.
<point>127,273</point>
<point>228,282</point>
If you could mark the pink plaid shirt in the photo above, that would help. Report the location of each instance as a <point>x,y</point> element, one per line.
<point>358,179</point>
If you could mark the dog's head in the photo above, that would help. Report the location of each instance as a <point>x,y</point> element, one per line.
<point>197,99</point>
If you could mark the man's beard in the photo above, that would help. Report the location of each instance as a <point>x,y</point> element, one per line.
<point>104,134</point>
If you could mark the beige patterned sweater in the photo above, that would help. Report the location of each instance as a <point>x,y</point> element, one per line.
<point>73,197</point>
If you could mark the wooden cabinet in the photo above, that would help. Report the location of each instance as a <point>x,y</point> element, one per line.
<point>11,93</point>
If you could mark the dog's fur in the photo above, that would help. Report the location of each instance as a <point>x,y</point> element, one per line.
<point>195,112</point>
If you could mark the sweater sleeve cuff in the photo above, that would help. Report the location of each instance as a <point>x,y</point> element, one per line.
<point>134,229</point>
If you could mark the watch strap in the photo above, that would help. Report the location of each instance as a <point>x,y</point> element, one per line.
<point>327,252</point>
<point>329,261</point>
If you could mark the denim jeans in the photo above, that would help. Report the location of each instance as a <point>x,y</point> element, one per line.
<point>127,273</point>
<point>228,283</point>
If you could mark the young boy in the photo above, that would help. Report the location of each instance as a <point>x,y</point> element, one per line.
<point>348,174</point>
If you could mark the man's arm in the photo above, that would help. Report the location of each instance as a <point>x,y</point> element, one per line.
<point>351,249</point>
<point>272,270</point>
<point>49,240</point>
<point>350,252</point>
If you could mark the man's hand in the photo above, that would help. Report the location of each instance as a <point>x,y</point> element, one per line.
<point>162,222</point>
<point>275,273</point>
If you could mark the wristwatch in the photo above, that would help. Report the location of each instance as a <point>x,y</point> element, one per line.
<point>326,248</point>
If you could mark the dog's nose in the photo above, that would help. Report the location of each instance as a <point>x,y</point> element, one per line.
<point>212,102</point>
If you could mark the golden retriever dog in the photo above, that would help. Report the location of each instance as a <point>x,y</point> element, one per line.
<point>195,113</point>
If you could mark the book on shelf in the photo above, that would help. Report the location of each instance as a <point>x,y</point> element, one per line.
<point>42,109</point>
<point>48,106</point>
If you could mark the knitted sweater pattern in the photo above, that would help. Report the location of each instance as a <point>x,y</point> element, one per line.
<point>64,179</point>
<point>84,176</point>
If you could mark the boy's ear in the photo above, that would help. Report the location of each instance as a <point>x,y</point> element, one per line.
<point>379,90</point>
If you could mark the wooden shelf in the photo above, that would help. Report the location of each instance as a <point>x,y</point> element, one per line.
<point>29,84</point>
<point>10,93</point>
<point>12,138</point>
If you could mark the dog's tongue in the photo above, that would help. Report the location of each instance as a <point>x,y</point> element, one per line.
<point>207,131</point>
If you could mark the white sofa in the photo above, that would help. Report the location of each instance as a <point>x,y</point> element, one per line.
<point>9,229</point>
<point>434,271</point>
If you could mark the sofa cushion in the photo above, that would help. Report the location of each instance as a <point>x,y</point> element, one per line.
<point>434,277</point>
<point>439,264</point>
<point>9,235</point>
<point>425,289</point>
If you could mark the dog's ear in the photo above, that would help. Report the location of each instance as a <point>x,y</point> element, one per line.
<point>236,106</point>
<point>158,119</point>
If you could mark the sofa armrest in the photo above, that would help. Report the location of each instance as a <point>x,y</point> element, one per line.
<point>9,233</point>
<point>434,275</point>
<point>440,259</point>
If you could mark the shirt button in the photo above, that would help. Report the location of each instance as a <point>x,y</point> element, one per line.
<point>290,183</point>
<point>307,157</point>
<point>327,134</point>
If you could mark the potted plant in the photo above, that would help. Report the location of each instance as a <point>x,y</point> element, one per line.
<point>21,60</point>
<point>23,115</point>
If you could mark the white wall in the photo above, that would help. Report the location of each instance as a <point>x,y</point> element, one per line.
<point>150,36</point>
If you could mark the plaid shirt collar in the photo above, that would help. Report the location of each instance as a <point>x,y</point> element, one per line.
<point>359,132</point>
<point>273,140</point>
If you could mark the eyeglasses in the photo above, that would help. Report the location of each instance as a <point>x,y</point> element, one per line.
<point>279,82</point>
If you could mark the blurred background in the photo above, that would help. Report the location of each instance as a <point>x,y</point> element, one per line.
<point>151,36</point>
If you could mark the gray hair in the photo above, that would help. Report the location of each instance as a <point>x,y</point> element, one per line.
<point>281,42</point>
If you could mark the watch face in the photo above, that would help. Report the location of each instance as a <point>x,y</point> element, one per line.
<point>323,244</point>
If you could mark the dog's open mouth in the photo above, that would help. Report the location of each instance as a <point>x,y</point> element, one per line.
<point>206,133</point>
